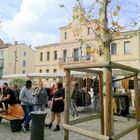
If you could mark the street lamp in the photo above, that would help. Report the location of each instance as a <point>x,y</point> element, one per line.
<point>15,60</point>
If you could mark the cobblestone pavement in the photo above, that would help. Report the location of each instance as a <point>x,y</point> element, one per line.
<point>120,123</point>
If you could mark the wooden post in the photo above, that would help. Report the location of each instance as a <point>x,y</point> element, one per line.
<point>67,103</point>
<point>86,133</point>
<point>125,131</point>
<point>137,105</point>
<point>101,102</point>
<point>109,115</point>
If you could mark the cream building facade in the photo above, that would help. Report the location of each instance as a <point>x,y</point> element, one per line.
<point>16,59</point>
<point>3,56</point>
<point>76,40</point>
<point>71,48</point>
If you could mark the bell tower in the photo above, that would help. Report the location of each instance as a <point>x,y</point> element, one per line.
<point>79,3</point>
<point>78,10</point>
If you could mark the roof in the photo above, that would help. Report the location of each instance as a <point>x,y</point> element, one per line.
<point>2,46</point>
<point>46,75</point>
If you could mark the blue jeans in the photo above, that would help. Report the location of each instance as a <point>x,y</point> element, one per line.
<point>27,117</point>
<point>74,108</point>
<point>96,104</point>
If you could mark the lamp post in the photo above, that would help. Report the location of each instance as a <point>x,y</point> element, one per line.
<point>81,43</point>
<point>15,60</point>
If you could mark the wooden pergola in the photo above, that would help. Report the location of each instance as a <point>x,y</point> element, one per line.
<point>106,128</point>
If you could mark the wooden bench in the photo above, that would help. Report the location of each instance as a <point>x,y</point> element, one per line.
<point>15,116</point>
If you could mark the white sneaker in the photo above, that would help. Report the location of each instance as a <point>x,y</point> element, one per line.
<point>24,128</point>
<point>75,118</point>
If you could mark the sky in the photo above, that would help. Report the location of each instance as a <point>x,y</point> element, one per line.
<point>37,22</point>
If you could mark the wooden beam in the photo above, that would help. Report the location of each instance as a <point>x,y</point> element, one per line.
<point>116,80</point>
<point>124,67</point>
<point>109,114</point>
<point>126,131</point>
<point>85,132</point>
<point>86,65</point>
<point>91,71</point>
<point>101,101</point>
<point>101,65</point>
<point>137,104</point>
<point>67,103</point>
<point>81,120</point>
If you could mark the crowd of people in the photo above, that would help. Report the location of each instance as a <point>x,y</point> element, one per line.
<point>36,100</point>
<point>33,100</point>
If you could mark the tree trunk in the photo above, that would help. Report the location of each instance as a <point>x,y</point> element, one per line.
<point>105,46</point>
<point>67,103</point>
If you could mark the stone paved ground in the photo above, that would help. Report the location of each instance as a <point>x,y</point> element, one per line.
<point>94,125</point>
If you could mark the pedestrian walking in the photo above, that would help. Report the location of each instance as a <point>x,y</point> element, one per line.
<point>96,101</point>
<point>27,102</point>
<point>41,97</point>
<point>74,95</point>
<point>57,106</point>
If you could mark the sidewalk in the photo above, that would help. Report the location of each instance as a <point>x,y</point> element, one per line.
<point>120,123</point>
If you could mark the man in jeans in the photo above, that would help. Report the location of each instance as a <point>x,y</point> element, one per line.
<point>27,102</point>
<point>74,100</point>
<point>96,100</point>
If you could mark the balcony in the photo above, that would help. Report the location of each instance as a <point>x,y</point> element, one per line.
<point>73,60</point>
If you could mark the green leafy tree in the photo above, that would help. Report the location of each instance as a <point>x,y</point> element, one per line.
<point>18,81</point>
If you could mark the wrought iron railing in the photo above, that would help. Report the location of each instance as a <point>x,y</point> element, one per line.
<point>68,60</point>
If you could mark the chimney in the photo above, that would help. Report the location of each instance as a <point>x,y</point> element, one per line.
<point>16,42</point>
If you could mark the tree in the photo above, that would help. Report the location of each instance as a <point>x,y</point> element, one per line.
<point>107,26</point>
<point>19,82</point>
<point>111,25</point>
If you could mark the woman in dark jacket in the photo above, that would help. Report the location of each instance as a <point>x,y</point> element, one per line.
<point>57,106</point>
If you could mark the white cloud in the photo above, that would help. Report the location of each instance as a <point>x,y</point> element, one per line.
<point>37,22</point>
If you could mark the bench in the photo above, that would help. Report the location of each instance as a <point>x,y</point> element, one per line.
<point>15,115</point>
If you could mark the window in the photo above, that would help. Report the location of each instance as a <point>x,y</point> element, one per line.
<point>47,70</point>
<point>113,48</point>
<point>1,72</point>
<point>48,56</point>
<point>41,56</point>
<point>40,71</point>
<point>24,53</point>
<point>65,35</point>
<point>76,54</point>
<point>1,53</point>
<point>55,70</point>
<point>1,62</point>
<point>55,55</point>
<point>127,47</point>
<point>88,30</point>
<point>64,55</point>
<point>23,71</point>
<point>24,63</point>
